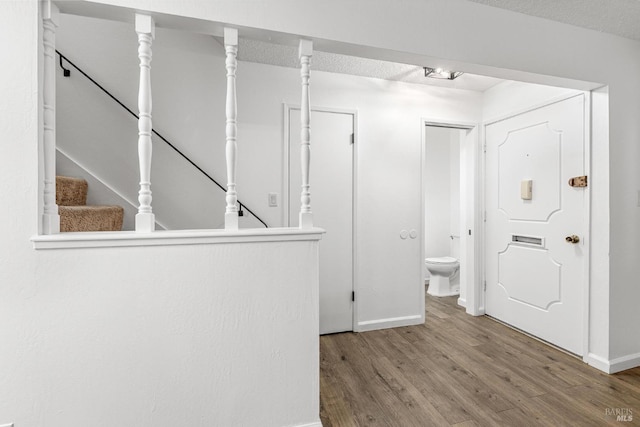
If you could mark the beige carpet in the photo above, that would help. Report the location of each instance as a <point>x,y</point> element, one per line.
<point>71,191</point>
<point>75,215</point>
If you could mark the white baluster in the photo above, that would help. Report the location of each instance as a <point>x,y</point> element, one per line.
<point>50,217</point>
<point>231,48</point>
<point>305,52</point>
<point>145,27</point>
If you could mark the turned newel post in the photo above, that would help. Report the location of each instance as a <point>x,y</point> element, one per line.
<point>145,27</point>
<point>231,48</point>
<point>305,52</point>
<point>50,216</point>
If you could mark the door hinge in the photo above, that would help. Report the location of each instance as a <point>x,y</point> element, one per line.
<point>484,147</point>
<point>485,285</point>
<point>484,216</point>
<point>353,138</point>
<point>353,295</point>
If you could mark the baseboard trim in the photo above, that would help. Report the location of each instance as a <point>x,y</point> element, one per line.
<point>625,362</point>
<point>462,302</point>
<point>598,362</point>
<point>393,322</point>
<point>616,365</point>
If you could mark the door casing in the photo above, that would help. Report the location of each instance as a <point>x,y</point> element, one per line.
<point>474,302</point>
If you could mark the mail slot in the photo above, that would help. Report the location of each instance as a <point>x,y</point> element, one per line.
<point>527,240</point>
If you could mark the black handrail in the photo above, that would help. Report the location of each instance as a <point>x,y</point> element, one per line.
<point>67,73</point>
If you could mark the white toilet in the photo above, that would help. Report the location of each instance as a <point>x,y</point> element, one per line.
<point>442,269</point>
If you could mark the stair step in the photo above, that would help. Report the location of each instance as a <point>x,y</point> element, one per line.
<point>71,191</point>
<point>90,218</point>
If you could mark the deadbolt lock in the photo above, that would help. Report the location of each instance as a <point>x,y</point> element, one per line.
<point>572,239</point>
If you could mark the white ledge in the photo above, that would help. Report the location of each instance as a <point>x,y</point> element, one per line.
<point>108,239</point>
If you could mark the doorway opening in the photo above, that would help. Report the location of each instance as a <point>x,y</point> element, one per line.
<point>450,213</point>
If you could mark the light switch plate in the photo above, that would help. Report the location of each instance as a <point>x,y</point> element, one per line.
<point>6,425</point>
<point>273,200</point>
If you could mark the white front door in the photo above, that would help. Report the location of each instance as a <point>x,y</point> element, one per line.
<point>536,279</point>
<point>331,180</point>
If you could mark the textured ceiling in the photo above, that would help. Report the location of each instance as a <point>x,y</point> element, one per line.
<point>619,17</point>
<point>287,56</point>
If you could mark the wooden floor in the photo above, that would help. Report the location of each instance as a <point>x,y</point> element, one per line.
<point>465,371</point>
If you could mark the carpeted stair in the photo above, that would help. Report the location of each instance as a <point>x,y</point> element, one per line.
<point>75,215</point>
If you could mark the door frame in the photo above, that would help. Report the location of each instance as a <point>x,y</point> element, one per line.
<point>587,203</point>
<point>286,108</point>
<point>474,293</point>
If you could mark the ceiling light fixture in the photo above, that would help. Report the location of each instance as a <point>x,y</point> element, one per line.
<point>439,73</point>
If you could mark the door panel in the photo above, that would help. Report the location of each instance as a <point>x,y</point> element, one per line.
<point>331,176</point>
<point>535,278</point>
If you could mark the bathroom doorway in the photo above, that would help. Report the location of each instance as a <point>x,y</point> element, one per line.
<point>450,216</point>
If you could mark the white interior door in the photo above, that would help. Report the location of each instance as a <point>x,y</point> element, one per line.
<point>536,278</point>
<point>331,180</point>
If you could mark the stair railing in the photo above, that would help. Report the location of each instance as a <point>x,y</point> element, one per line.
<point>67,73</point>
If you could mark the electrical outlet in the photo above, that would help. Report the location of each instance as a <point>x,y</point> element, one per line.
<point>273,202</point>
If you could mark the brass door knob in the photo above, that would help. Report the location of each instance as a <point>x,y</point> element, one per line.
<point>572,239</point>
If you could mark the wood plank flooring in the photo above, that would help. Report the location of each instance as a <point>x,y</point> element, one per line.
<point>458,370</point>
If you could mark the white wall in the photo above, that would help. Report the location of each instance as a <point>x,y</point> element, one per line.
<point>189,85</point>
<point>163,336</point>
<point>442,192</point>
<point>437,192</point>
<point>470,225</point>
<point>454,191</point>
<point>599,292</point>
<point>510,97</point>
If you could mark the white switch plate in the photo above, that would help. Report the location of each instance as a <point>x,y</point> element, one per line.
<point>7,425</point>
<point>273,202</point>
